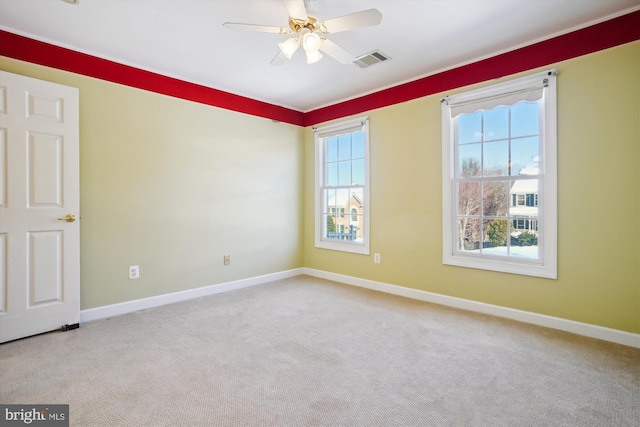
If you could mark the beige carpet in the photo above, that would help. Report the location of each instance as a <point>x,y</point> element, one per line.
<point>304,351</point>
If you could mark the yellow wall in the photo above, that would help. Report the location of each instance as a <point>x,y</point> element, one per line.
<point>173,186</point>
<point>598,190</point>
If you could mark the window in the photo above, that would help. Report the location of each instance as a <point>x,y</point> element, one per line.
<point>499,177</point>
<point>524,224</point>
<point>336,211</point>
<point>342,186</point>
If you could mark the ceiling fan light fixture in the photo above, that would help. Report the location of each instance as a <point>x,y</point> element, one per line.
<point>313,56</point>
<point>311,42</point>
<point>289,47</point>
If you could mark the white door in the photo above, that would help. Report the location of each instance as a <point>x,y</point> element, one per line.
<point>39,184</point>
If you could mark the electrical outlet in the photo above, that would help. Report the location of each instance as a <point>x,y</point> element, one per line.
<point>376,258</point>
<point>227,259</point>
<point>134,272</point>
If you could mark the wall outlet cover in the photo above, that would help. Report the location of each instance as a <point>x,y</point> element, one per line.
<point>134,272</point>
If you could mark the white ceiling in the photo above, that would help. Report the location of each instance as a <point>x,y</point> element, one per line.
<point>185,39</point>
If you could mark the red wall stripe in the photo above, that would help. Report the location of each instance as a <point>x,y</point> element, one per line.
<point>37,52</point>
<point>598,37</point>
<point>614,32</point>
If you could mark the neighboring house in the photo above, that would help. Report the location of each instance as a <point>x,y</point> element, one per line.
<point>523,206</point>
<point>345,219</point>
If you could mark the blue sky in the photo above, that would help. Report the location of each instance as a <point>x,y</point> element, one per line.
<point>493,133</point>
<point>346,159</point>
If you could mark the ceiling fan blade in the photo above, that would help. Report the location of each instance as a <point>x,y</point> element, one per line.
<point>279,59</point>
<point>336,52</point>
<point>366,18</point>
<point>296,9</point>
<point>260,28</point>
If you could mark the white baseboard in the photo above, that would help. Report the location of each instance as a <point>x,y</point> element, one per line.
<point>106,311</point>
<point>585,329</point>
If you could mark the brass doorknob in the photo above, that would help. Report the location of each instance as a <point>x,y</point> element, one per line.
<point>68,218</point>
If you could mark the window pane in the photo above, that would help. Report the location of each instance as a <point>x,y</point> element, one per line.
<point>337,217</point>
<point>342,199</point>
<point>528,252</point>
<point>469,160</point>
<point>357,145</point>
<point>519,191</point>
<point>356,228</point>
<point>331,174</point>
<point>332,149</point>
<point>525,152</point>
<point>468,198</point>
<point>341,219</point>
<point>496,232</point>
<point>329,201</point>
<point>496,158</point>
<point>357,199</point>
<point>331,227</point>
<point>524,119</point>
<point>344,173</point>
<point>470,128</point>
<point>356,208</point>
<point>496,124</point>
<point>344,147</point>
<point>358,172</point>
<point>524,237</point>
<point>469,234</point>
<point>495,198</point>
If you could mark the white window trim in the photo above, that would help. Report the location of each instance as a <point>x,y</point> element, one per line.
<point>546,266</point>
<point>361,123</point>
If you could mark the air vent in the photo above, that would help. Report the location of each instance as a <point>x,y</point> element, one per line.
<point>370,59</point>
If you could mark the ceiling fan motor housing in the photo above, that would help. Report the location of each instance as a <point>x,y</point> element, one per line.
<point>310,23</point>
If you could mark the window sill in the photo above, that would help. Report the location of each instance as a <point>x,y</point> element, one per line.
<point>503,266</point>
<point>355,248</point>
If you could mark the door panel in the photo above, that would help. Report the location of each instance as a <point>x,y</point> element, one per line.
<point>44,267</point>
<point>39,187</point>
<point>44,107</point>
<point>44,160</point>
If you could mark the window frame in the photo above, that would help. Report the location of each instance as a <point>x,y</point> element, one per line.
<point>341,128</point>
<point>546,264</point>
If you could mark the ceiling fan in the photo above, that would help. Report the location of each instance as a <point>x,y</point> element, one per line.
<point>309,33</point>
